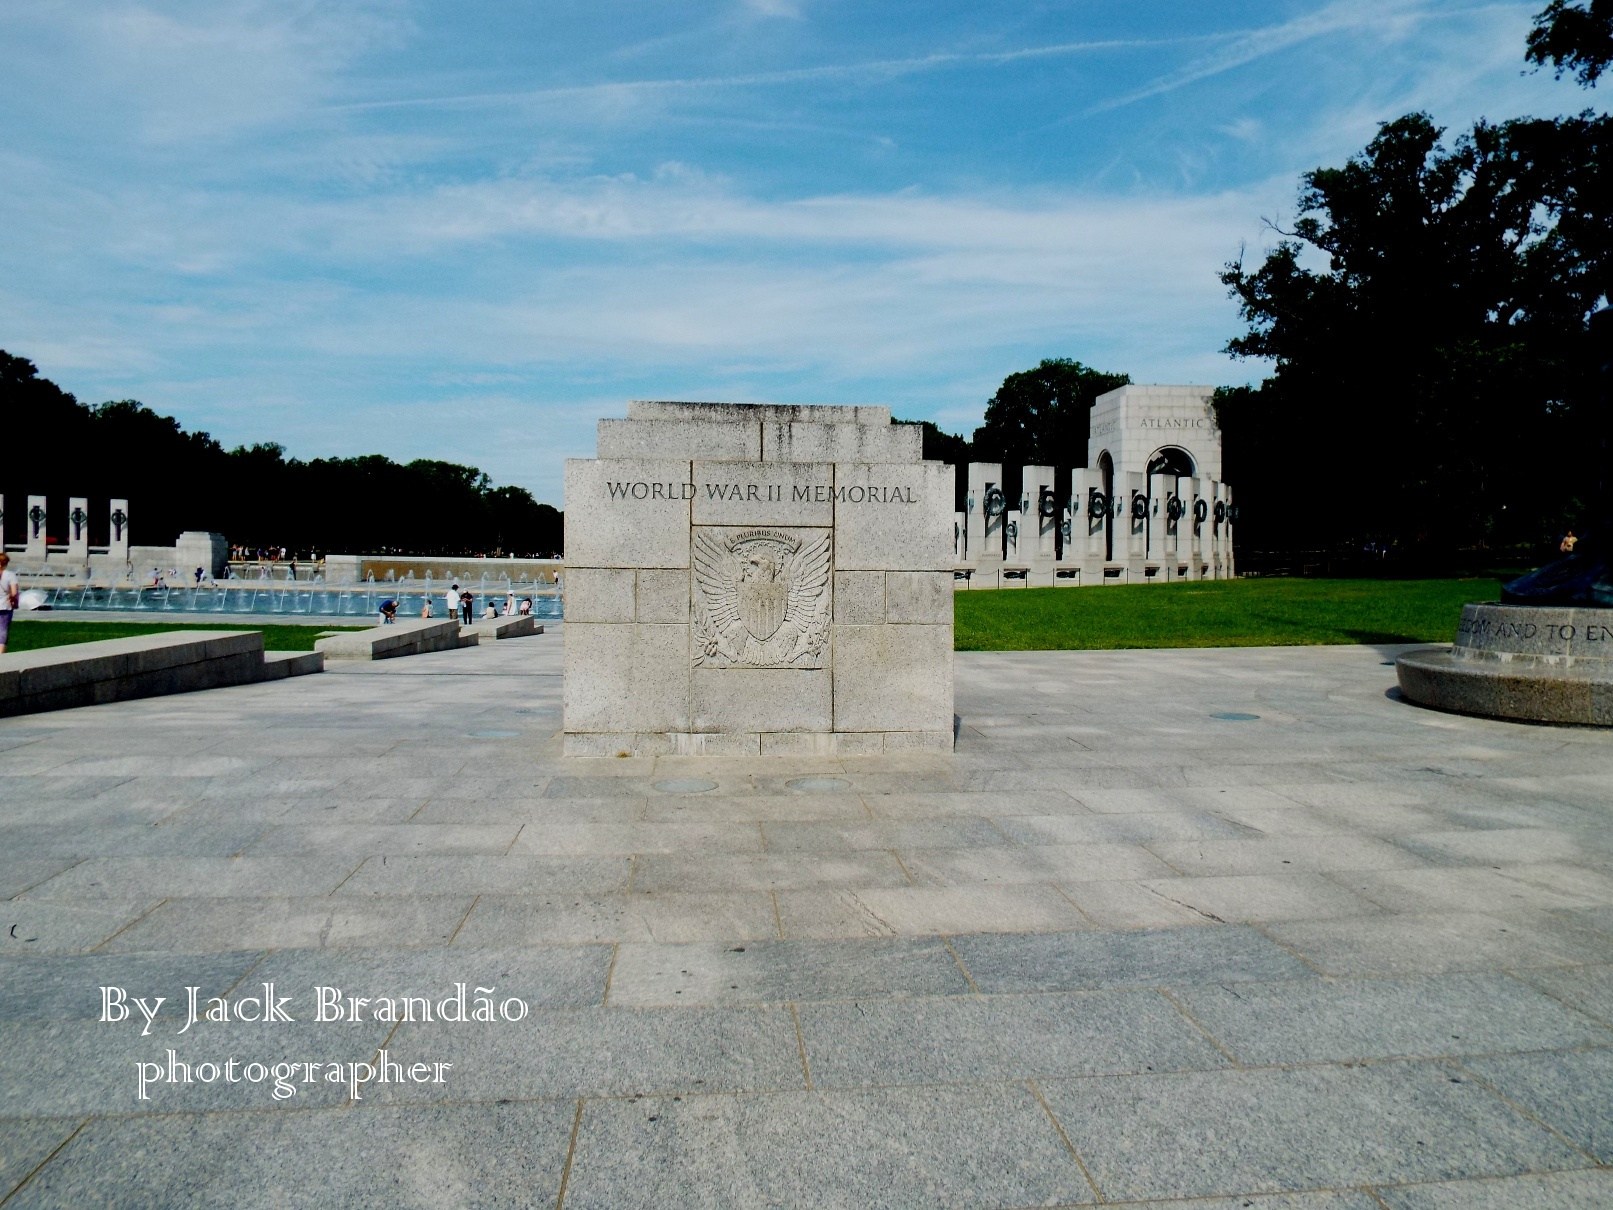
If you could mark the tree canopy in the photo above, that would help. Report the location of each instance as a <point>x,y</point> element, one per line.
<point>1427,316</point>
<point>1040,417</point>
<point>1574,35</point>
<point>256,496</point>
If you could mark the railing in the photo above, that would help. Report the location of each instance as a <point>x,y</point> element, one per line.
<point>234,597</point>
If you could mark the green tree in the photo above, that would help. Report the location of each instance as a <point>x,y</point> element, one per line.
<point>1040,417</point>
<point>1574,35</point>
<point>256,496</point>
<point>1429,375</point>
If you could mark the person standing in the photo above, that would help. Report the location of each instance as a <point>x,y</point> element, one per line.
<point>467,602</point>
<point>451,600</point>
<point>10,590</point>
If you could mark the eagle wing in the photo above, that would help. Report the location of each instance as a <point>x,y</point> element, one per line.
<point>718,576</point>
<point>717,602</point>
<point>807,606</point>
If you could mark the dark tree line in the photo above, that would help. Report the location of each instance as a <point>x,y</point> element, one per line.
<point>1428,314</point>
<point>256,496</point>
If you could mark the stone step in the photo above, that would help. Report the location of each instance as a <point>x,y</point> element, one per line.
<point>412,637</point>
<point>115,670</point>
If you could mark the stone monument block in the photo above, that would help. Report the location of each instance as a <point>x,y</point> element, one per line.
<point>78,529</point>
<point>118,530</point>
<point>748,579</point>
<point>36,532</point>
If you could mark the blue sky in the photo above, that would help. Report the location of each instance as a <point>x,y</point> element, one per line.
<point>466,230</point>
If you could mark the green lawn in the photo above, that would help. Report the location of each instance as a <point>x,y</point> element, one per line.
<point>29,635</point>
<point>1216,613</point>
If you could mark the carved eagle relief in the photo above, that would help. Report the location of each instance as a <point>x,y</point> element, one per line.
<point>762,599</point>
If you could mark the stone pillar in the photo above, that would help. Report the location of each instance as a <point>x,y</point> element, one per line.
<point>117,533</point>
<point>1135,520</point>
<point>960,537</point>
<point>1217,530</point>
<point>1177,529</point>
<point>34,527</point>
<point>1159,490</point>
<point>985,535</point>
<point>1089,515</point>
<point>1039,526</point>
<point>1012,519</point>
<point>1227,559</point>
<point>1072,516</point>
<point>78,530</point>
<point>1192,541</point>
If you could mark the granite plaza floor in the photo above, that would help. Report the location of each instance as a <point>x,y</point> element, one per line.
<point>1125,946</point>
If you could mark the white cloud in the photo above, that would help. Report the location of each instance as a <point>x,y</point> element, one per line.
<point>214,227</point>
<point>194,69</point>
<point>1387,20</point>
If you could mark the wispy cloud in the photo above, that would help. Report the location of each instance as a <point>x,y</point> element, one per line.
<point>867,69</point>
<point>1385,19</point>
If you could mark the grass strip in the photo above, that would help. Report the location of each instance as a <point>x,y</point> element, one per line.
<point>1215,613</point>
<point>32,635</point>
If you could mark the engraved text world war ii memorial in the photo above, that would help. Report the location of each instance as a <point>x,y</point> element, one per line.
<point>752,579</point>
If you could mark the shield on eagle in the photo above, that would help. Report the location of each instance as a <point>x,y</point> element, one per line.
<point>763,595</point>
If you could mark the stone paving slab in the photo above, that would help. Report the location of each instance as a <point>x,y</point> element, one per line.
<point>26,1143</point>
<point>1555,1191</point>
<point>471,1156</point>
<point>917,911</point>
<point>1444,941</point>
<point>713,973</point>
<point>610,1052</point>
<point>561,919</point>
<point>967,1038</point>
<point>1195,1134</point>
<point>201,926</point>
<point>1349,954</point>
<point>1070,961</point>
<point>1587,988</point>
<point>67,988</point>
<point>1569,1091</point>
<point>1340,1020</point>
<point>974,1146</point>
<point>561,976</point>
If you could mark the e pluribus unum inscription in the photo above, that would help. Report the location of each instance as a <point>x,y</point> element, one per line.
<point>761,598</point>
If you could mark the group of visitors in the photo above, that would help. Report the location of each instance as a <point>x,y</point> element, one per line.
<point>269,554</point>
<point>462,604</point>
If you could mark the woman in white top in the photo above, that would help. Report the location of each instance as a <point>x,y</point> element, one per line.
<point>10,590</point>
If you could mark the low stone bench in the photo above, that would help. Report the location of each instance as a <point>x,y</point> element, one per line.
<point>413,637</point>
<point>116,670</point>
<point>514,627</point>
<point>277,665</point>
